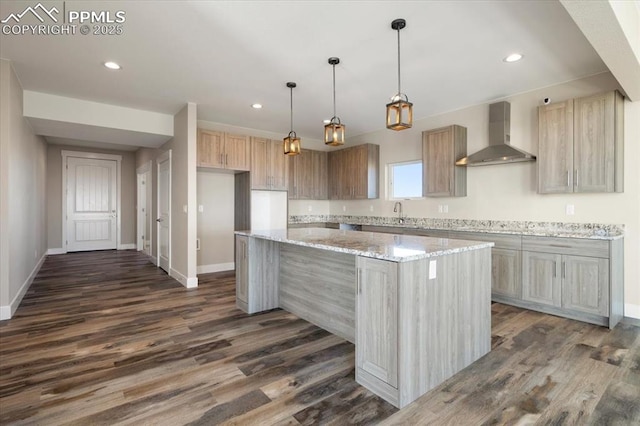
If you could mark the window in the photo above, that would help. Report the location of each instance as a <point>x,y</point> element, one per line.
<point>405,180</point>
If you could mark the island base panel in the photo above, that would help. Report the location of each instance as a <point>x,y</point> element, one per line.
<point>319,286</point>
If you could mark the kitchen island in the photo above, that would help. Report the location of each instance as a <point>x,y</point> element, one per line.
<point>416,308</point>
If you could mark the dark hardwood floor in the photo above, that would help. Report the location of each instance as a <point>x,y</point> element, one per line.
<point>106,338</point>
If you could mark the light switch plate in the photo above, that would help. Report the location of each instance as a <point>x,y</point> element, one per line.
<point>201,208</point>
<point>432,269</point>
<point>570,209</point>
<point>184,208</point>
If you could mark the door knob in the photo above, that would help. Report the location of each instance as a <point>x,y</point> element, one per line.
<point>159,219</point>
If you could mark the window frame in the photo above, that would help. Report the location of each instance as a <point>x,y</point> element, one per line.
<point>390,168</point>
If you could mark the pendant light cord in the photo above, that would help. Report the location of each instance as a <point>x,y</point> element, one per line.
<point>291,97</point>
<point>334,91</point>
<point>399,89</point>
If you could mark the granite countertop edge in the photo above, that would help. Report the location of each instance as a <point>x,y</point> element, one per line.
<point>472,245</point>
<point>536,229</point>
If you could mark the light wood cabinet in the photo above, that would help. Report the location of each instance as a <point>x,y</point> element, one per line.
<point>242,271</point>
<point>308,178</point>
<point>581,145</point>
<point>541,281</point>
<point>257,274</point>
<point>441,148</point>
<point>269,165</point>
<point>586,283</point>
<point>506,274</point>
<point>377,319</point>
<point>353,172</point>
<point>222,150</point>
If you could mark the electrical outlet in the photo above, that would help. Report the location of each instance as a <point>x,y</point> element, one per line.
<point>309,208</point>
<point>445,208</point>
<point>201,208</point>
<point>570,209</point>
<point>440,208</point>
<point>371,208</point>
<point>432,269</point>
<point>344,208</point>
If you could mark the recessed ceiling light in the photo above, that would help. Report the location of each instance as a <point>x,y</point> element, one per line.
<point>514,57</point>
<point>256,106</point>
<point>326,121</point>
<point>112,65</point>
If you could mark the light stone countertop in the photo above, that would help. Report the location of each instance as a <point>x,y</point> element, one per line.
<point>594,231</point>
<point>395,248</point>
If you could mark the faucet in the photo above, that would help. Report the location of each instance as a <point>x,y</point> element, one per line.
<point>397,208</point>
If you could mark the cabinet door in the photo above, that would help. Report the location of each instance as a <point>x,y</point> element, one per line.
<point>555,149</point>
<point>359,165</point>
<point>541,278</point>
<point>334,160</point>
<point>594,143</point>
<point>237,152</point>
<point>586,284</point>
<point>210,149</point>
<point>506,275</point>
<point>438,159</point>
<point>242,270</point>
<point>320,179</point>
<point>279,167</point>
<point>259,163</point>
<point>377,319</point>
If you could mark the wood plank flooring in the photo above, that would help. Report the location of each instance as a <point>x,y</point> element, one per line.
<point>107,338</point>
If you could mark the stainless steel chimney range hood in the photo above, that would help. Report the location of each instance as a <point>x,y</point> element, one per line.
<point>499,150</point>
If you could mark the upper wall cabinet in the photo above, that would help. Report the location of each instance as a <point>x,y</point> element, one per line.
<point>223,150</point>
<point>308,176</point>
<point>269,165</point>
<point>441,148</point>
<point>353,172</point>
<point>581,145</point>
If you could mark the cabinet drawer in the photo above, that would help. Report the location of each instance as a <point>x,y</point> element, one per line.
<point>574,246</point>
<point>433,233</point>
<point>503,241</point>
<point>383,229</point>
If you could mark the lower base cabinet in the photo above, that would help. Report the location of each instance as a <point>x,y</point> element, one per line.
<point>506,272</point>
<point>541,281</point>
<point>257,281</point>
<point>377,321</point>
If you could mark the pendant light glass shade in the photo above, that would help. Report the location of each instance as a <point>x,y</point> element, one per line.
<point>399,110</point>
<point>291,144</point>
<point>334,130</point>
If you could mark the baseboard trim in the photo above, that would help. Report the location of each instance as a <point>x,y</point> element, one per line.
<point>130,246</point>
<point>58,250</point>
<point>216,267</point>
<point>153,260</point>
<point>191,282</point>
<point>631,310</point>
<point>6,312</point>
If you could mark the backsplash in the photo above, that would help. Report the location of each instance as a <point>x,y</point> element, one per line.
<point>561,229</point>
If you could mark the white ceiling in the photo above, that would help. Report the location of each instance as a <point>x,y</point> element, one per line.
<point>224,56</point>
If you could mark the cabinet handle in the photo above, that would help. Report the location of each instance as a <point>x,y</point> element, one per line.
<point>226,159</point>
<point>568,181</point>
<point>564,270</point>
<point>577,177</point>
<point>555,266</point>
<point>358,282</point>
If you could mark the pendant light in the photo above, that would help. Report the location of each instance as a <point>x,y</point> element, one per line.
<point>292,141</point>
<point>334,130</point>
<point>399,110</point>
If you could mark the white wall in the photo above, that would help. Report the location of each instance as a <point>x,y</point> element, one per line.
<point>23,198</point>
<point>215,223</point>
<point>183,196</point>
<point>509,191</point>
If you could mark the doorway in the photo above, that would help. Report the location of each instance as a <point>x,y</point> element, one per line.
<point>144,210</point>
<point>164,211</point>
<point>90,201</point>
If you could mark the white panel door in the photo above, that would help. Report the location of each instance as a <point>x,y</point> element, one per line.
<point>164,211</point>
<point>91,204</point>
